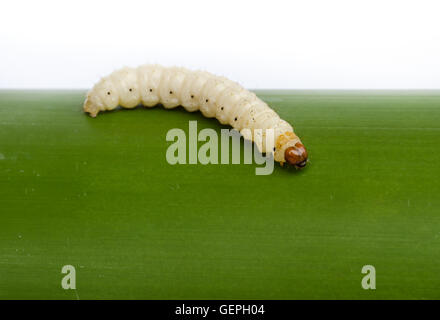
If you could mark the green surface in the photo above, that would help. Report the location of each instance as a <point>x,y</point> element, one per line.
<point>98,194</point>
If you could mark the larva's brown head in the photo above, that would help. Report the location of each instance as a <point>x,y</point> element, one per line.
<point>296,155</point>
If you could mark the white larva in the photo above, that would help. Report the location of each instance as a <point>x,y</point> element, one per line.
<point>213,95</point>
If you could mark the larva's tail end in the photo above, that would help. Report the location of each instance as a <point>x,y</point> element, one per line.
<point>296,155</point>
<point>90,108</point>
<point>93,114</point>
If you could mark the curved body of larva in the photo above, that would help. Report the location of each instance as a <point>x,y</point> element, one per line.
<point>214,96</point>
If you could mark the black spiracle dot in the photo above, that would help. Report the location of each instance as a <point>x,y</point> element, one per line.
<point>222,108</point>
<point>130,89</point>
<point>171,92</point>
<point>235,118</point>
<point>151,90</point>
<point>108,92</point>
<point>207,100</point>
<point>274,148</point>
<point>192,96</point>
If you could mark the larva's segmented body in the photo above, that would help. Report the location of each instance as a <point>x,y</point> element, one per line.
<point>214,96</point>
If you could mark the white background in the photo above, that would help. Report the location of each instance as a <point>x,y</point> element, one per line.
<point>261,44</point>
